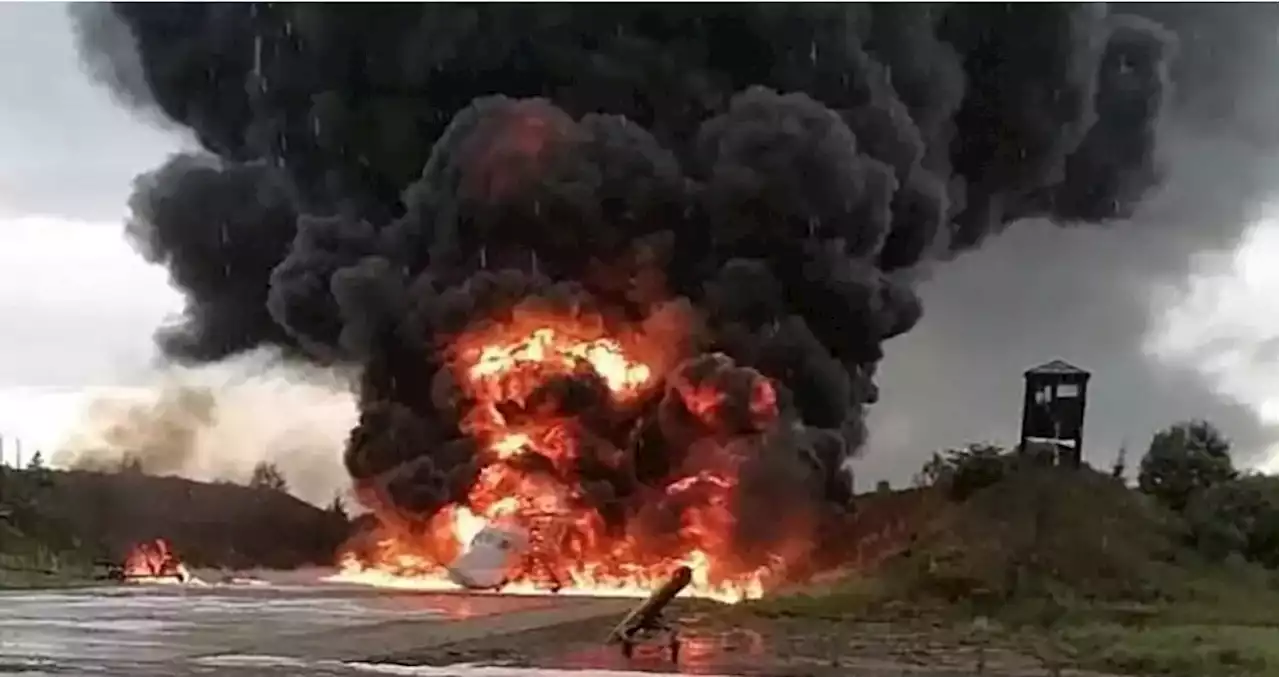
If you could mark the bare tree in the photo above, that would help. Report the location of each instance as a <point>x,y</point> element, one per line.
<point>1121,463</point>
<point>338,507</point>
<point>267,476</point>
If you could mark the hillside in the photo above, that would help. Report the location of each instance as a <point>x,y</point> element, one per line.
<point>879,527</point>
<point>1048,531</point>
<point>98,515</point>
<point>1070,568</point>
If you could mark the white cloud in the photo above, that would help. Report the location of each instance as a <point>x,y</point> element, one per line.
<point>78,308</point>
<point>65,263</point>
<point>34,419</point>
<point>1223,323</point>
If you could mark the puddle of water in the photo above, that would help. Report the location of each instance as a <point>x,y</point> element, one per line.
<point>398,670</point>
<point>471,670</point>
<point>253,660</point>
<point>44,668</point>
<point>701,653</point>
<point>131,625</point>
<point>26,667</point>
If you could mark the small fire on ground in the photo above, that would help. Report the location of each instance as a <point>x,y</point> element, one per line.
<point>154,562</point>
<point>529,481</point>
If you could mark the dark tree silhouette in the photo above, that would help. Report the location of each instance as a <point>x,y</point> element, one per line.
<point>267,475</point>
<point>963,471</point>
<point>338,507</point>
<point>132,465</point>
<point>1184,459</point>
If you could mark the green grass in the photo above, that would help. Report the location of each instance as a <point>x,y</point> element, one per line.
<point>26,575</point>
<point>11,580</point>
<point>26,563</point>
<point>37,551</point>
<point>1223,623</point>
<point>1218,650</point>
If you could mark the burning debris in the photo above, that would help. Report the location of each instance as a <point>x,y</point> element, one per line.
<point>151,562</point>
<point>155,561</point>
<point>631,307</point>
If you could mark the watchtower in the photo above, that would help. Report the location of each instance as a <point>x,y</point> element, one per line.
<point>1053,410</point>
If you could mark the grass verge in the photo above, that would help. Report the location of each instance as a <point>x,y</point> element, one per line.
<point>32,566</point>
<point>1221,622</point>
<point>1070,568</point>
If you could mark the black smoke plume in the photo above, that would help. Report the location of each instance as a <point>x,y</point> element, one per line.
<point>384,176</point>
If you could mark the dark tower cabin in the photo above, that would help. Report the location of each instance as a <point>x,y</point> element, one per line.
<point>1053,411</point>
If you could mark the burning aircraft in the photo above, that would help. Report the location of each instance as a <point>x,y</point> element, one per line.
<point>616,283</point>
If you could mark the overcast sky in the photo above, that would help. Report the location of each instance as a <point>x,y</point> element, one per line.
<point>78,305</point>
<point>1176,314</point>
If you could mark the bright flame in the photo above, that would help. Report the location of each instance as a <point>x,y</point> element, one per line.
<point>518,422</point>
<point>394,566</point>
<point>155,562</point>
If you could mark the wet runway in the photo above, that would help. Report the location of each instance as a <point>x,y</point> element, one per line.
<point>280,629</point>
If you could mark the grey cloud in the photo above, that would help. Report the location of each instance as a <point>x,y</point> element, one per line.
<point>67,149</point>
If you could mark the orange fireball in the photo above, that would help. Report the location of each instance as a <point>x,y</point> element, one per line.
<point>531,444</point>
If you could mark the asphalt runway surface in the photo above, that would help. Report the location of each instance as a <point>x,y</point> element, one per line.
<point>312,629</point>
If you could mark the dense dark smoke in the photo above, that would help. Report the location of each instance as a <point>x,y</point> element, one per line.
<point>1093,296</point>
<point>388,176</point>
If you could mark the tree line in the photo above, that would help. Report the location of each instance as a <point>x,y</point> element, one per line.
<point>1187,469</point>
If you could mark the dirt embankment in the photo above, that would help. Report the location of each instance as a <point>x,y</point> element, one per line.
<point>216,525</point>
